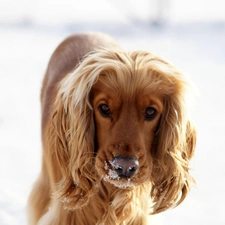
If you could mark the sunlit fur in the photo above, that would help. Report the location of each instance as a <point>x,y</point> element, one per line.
<point>75,186</point>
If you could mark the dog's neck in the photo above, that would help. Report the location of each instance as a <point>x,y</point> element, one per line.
<point>114,206</point>
<point>108,206</point>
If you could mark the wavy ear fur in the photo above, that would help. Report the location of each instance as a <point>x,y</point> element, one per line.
<point>174,147</point>
<point>69,137</point>
<point>175,139</point>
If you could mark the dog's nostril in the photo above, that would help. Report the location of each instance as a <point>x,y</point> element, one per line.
<point>125,166</point>
<point>119,170</point>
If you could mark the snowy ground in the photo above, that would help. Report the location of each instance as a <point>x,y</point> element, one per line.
<point>197,48</point>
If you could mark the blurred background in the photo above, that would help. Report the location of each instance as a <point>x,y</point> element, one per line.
<point>190,34</point>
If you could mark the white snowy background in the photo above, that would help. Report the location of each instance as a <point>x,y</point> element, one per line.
<point>191,34</point>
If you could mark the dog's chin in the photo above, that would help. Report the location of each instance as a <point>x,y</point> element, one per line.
<point>121,183</point>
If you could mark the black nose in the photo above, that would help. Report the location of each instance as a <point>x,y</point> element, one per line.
<point>125,166</point>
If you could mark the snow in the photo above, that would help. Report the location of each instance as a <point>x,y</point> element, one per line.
<point>112,174</point>
<point>193,39</point>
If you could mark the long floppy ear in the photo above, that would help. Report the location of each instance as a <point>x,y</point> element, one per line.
<point>70,141</point>
<point>70,133</point>
<point>69,138</point>
<point>174,147</point>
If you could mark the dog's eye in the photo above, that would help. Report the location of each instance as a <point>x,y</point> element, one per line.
<point>104,110</point>
<point>150,113</point>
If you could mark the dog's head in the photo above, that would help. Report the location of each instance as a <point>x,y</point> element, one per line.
<point>123,118</point>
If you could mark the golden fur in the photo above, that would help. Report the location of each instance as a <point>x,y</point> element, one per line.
<point>99,102</point>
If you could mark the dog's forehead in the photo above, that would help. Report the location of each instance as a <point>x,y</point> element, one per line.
<point>102,92</point>
<point>131,85</point>
<point>133,80</point>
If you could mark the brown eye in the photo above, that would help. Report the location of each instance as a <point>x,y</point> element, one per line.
<point>104,110</point>
<point>150,113</point>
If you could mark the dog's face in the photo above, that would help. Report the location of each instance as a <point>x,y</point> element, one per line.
<point>126,120</point>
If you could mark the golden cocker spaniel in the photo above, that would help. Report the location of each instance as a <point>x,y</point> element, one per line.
<point>117,136</point>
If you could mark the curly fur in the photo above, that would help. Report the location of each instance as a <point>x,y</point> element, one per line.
<point>75,185</point>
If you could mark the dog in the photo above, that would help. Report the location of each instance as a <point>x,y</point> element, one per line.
<point>117,136</point>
